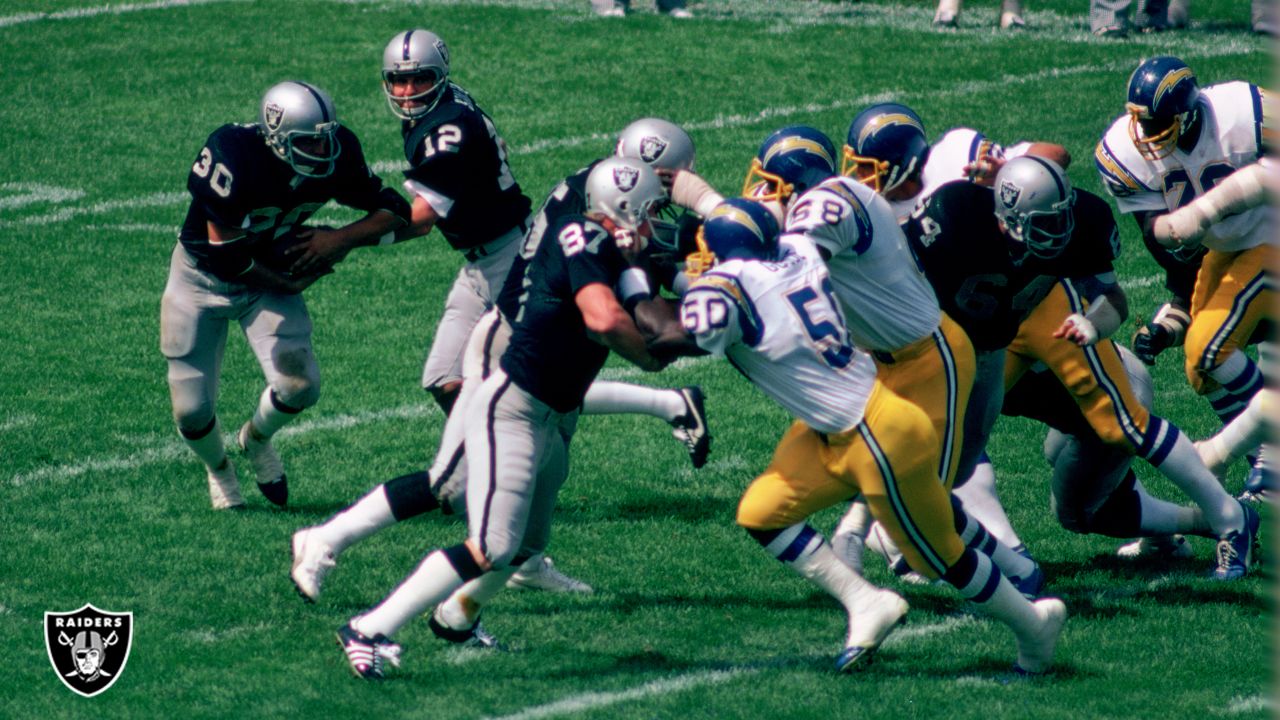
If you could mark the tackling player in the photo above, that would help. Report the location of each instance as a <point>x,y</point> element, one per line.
<point>520,422</point>
<point>1028,266</point>
<point>775,315</point>
<point>239,258</point>
<point>663,146</point>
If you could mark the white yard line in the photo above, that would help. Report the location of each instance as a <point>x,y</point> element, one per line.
<point>1250,704</point>
<point>117,9</point>
<point>169,450</point>
<point>595,700</point>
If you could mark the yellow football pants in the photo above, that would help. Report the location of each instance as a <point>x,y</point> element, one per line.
<point>936,374</point>
<point>890,457</point>
<point>1233,294</point>
<point>1094,376</point>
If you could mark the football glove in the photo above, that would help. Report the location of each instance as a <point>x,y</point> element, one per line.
<point>1168,327</point>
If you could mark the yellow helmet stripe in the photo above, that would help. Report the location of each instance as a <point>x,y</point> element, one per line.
<point>886,120</point>
<point>798,143</point>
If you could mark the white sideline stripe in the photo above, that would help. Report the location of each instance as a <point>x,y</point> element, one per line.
<point>120,9</point>
<point>1142,282</point>
<point>163,199</point>
<point>137,227</point>
<point>212,636</point>
<point>1250,704</point>
<point>31,193</point>
<point>17,421</point>
<point>595,700</point>
<point>174,449</point>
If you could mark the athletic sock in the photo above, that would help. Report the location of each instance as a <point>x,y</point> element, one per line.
<point>608,398</point>
<point>271,415</point>
<point>1161,517</point>
<point>983,504</point>
<point>1240,380</point>
<point>1176,458</point>
<point>1242,435</point>
<point>434,580</point>
<point>976,537</point>
<point>462,608</point>
<point>367,516</point>
<point>206,443</point>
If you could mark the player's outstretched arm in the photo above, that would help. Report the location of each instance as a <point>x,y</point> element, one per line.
<point>325,247</point>
<point>1242,190</point>
<point>611,326</point>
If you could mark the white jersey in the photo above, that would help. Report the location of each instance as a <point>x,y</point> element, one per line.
<point>888,302</point>
<point>1231,136</point>
<point>780,325</point>
<point>947,160</point>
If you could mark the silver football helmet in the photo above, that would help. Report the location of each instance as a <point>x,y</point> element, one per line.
<point>625,190</point>
<point>296,111</point>
<point>420,53</point>
<point>662,144</point>
<point>1036,203</point>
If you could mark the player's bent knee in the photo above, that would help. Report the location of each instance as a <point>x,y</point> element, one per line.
<point>446,394</point>
<point>762,507</point>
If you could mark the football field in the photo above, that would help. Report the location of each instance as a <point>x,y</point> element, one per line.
<point>106,107</point>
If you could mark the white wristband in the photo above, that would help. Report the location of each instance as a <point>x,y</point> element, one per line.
<point>1103,318</point>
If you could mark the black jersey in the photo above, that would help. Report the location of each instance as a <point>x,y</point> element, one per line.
<point>956,239</point>
<point>550,355</point>
<point>569,197</point>
<point>456,155</point>
<point>238,182</point>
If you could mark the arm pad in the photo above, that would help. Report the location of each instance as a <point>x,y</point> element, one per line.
<point>1104,317</point>
<point>691,191</point>
<point>1241,190</point>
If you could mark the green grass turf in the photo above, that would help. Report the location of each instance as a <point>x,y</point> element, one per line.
<point>104,112</point>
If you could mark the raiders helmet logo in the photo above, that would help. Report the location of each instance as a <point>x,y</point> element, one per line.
<point>444,51</point>
<point>88,647</point>
<point>274,115</point>
<point>1009,193</point>
<point>625,178</point>
<point>651,148</point>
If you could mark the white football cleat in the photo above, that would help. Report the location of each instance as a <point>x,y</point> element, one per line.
<point>539,573</point>
<point>1168,547</point>
<point>869,627</point>
<point>224,487</point>
<point>1012,21</point>
<point>1035,651</point>
<point>680,13</point>
<point>312,560</point>
<point>266,465</point>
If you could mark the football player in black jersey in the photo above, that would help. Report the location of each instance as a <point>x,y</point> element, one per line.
<point>665,147</point>
<point>1026,266</point>
<point>239,258</point>
<point>523,416</point>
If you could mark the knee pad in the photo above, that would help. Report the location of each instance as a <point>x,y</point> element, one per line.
<point>192,411</point>
<point>463,564</point>
<point>297,384</point>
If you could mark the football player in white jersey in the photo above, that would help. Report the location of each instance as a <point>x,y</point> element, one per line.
<point>1176,142</point>
<point>775,314</point>
<point>886,149</point>
<point>920,353</point>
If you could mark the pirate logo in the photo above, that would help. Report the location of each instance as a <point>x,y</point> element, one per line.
<point>444,51</point>
<point>651,148</point>
<point>88,647</point>
<point>274,115</point>
<point>1009,193</point>
<point>625,178</point>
